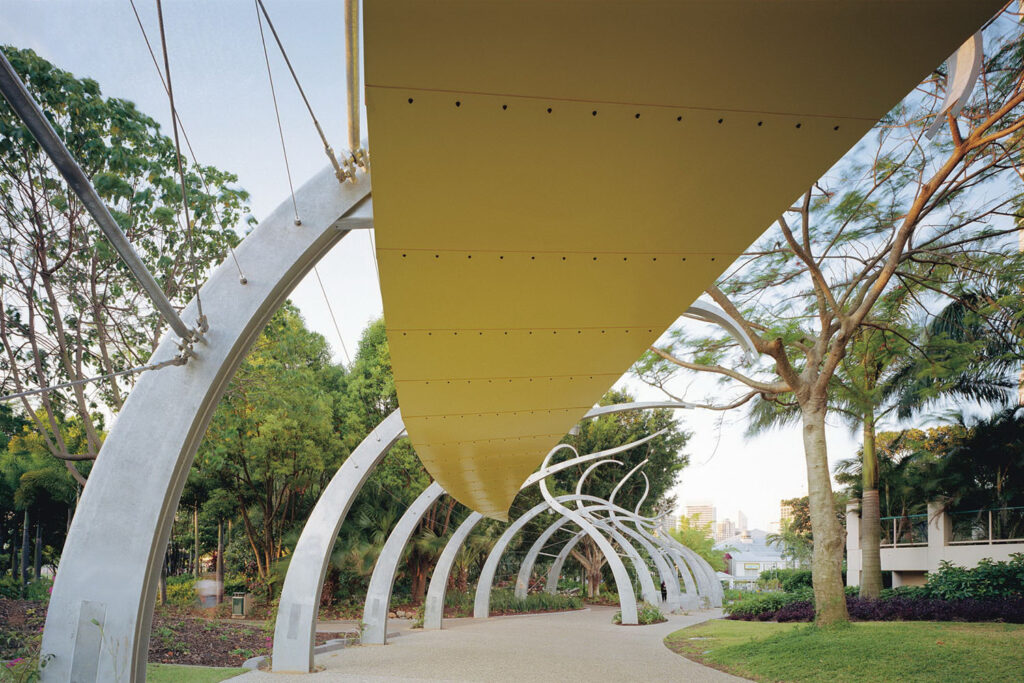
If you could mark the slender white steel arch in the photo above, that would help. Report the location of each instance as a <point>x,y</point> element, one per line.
<point>555,571</point>
<point>672,601</point>
<point>295,629</point>
<point>639,533</point>
<point>623,584</point>
<point>675,598</point>
<point>378,594</point>
<point>298,653</point>
<point>101,610</point>
<point>650,592</point>
<point>433,610</point>
<point>434,607</point>
<point>522,588</point>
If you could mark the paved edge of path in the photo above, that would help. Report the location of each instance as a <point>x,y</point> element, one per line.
<point>575,645</point>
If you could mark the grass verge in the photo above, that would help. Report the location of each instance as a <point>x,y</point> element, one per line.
<point>866,652</point>
<point>174,673</point>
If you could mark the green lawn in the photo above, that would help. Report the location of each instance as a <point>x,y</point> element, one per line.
<point>174,673</point>
<point>864,652</point>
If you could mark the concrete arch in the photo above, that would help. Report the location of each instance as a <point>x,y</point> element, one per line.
<point>627,601</point>
<point>673,600</point>
<point>100,612</point>
<point>295,628</point>
<point>378,594</point>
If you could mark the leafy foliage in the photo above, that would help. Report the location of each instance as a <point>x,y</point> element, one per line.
<point>697,537</point>
<point>646,614</point>
<point>988,580</point>
<point>791,580</point>
<point>71,308</point>
<point>992,591</point>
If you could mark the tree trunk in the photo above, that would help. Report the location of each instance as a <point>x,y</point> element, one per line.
<point>23,575</point>
<point>870,515</point>
<point>826,566</point>
<point>220,561</point>
<point>37,564</point>
<point>419,581</point>
<point>195,538</point>
<point>163,578</point>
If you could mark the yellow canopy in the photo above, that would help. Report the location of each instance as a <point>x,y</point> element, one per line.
<point>555,182</point>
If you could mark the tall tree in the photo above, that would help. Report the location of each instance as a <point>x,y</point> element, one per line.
<point>71,309</point>
<point>271,438</point>
<point>898,211</point>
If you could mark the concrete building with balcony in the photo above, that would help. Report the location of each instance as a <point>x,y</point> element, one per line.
<point>913,545</point>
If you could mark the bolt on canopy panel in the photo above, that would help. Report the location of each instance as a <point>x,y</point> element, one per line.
<point>554,182</point>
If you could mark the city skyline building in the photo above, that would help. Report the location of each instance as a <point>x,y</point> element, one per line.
<point>702,514</point>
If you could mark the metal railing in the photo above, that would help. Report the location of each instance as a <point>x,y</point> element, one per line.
<point>999,525</point>
<point>905,530</point>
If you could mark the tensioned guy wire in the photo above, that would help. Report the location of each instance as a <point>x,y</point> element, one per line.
<point>277,113</point>
<point>373,253</point>
<point>177,155</point>
<point>348,361</point>
<point>284,148</point>
<point>177,360</point>
<point>184,134</point>
<point>338,172</point>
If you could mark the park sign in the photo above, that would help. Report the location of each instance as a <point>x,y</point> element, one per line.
<point>555,182</point>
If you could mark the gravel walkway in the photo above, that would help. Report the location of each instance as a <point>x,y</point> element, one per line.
<point>567,646</point>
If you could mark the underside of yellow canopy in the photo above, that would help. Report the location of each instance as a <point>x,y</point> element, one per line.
<point>555,182</point>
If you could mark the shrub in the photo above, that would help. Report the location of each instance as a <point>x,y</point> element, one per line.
<point>235,583</point>
<point>461,602</point>
<point>646,614</point>
<point>39,590</point>
<point>756,605</point>
<point>9,588</point>
<point>181,592</point>
<point>421,615</point>
<point>988,580</point>
<point>896,606</point>
<point>504,601</point>
<point>789,579</point>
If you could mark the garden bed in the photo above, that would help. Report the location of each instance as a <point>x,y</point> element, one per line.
<point>177,637</point>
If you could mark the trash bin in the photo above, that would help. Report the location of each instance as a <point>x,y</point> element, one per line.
<point>238,606</point>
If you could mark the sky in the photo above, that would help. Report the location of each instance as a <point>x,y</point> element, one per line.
<point>224,103</point>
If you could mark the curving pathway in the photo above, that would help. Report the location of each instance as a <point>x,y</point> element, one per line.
<point>570,646</point>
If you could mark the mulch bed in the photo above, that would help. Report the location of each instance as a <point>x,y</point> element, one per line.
<point>20,622</point>
<point>180,639</point>
<point>178,636</point>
